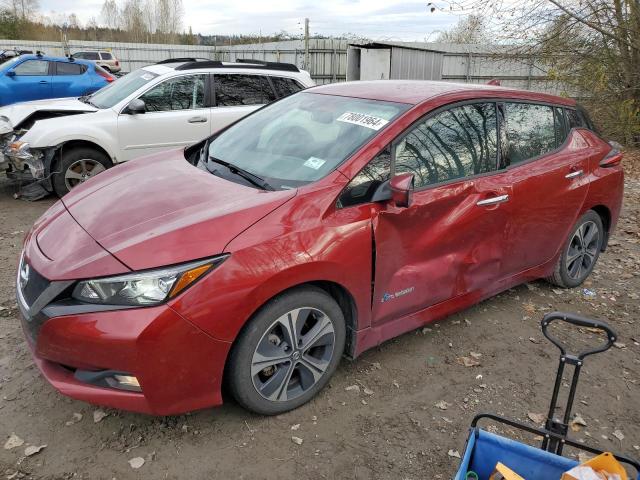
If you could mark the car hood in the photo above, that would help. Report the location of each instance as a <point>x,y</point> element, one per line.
<point>18,112</point>
<point>161,210</point>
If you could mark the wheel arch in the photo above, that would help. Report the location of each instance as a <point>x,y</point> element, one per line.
<point>335,290</point>
<point>605,215</point>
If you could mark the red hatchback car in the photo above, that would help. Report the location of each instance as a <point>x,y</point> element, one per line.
<point>319,226</point>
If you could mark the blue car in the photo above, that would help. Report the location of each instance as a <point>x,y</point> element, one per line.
<point>35,77</point>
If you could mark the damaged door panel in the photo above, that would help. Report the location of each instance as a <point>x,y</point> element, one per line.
<point>442,246</point>
<point>451,238</point>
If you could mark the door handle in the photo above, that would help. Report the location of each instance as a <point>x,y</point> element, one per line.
<point>493,200</point>
<point>44,81</point>
<point>197,120</point>
<point>574,174</point>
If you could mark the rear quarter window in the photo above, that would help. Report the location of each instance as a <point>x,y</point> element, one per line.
<point>106,56</point>
<point>285,86</point>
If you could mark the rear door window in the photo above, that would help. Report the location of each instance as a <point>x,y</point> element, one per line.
<point>285,86</point>
<point>459,142</point>
<point>33,67</point>
<point>63,68</point>
<point>530,131</point>
<point>90,55</point>
<point>237,90</point>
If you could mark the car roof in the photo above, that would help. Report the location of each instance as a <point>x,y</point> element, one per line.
<point>414,92</point>
<point>33,56</point>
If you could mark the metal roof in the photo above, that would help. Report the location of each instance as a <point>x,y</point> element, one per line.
<point>441,47</point>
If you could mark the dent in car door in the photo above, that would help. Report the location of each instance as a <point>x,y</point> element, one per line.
<point>451,239</point>
<point>177,115</point>
<point>237,95</point>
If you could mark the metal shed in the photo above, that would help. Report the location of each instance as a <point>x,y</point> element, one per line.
<point>449,62</point>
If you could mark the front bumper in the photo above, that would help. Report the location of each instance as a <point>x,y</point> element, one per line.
<point>179,367</point>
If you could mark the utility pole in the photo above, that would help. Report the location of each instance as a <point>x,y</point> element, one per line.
<point>306,44</point>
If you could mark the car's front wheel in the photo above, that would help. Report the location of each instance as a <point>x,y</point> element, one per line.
<point>287,352</point>
<point>580,251</point>
<point>76,166</point>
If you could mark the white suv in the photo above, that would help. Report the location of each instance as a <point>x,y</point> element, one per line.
<point>171,104</point>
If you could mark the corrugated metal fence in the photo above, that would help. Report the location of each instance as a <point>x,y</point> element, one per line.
<point>327,57</point>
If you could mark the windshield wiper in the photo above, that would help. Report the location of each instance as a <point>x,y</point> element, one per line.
<point>250,177</point>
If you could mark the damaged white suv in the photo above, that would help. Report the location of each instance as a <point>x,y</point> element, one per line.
<point>177,102</point>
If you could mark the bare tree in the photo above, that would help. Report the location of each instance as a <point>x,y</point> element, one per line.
<point>22,9</point>
<point>469,29</point>
<point>110,14</point>
<point>593,46</point>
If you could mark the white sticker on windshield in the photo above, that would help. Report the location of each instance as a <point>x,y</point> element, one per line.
<point>314,162</point>
<point>362,119</point>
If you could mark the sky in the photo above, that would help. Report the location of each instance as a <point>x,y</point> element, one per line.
<point>375,19</point>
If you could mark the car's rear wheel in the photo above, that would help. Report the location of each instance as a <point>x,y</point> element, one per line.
<point>77,166</point>
<point>287,352</point>
<point>580,252</point>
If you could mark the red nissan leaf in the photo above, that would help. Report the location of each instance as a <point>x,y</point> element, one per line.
<point>315,228</point>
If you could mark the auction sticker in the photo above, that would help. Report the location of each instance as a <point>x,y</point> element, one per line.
<point>362,119</point>
<point>314,162</point>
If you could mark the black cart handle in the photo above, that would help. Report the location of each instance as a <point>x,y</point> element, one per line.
<point>581,322</point>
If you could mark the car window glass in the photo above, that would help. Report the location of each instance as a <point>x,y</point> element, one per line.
<point>560,126</point>
<point>234,90</point>
<point>33,67</point>
<point>285,86</point>
<point>530,131</point>
<point>576,119</point>
<point>456,143</point>
<point>90,55</point>
<point>106,56</point>
<point>362,187</point>
<point>303,137</point>
<point>63,68</point>
<point>180,93</point>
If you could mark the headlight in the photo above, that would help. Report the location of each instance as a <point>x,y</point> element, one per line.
<point>146,288</point>
<point>19,150</point>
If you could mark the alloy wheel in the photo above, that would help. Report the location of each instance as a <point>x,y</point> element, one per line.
<point>293,354</point>
<point>81,170</point>
<point>583,250</point>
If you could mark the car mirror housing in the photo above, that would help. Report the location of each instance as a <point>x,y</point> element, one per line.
<point>11,72</point>
<point>401,189</point>
<point>136,106</point>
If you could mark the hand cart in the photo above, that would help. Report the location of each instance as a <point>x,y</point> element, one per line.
<point>485,449</point>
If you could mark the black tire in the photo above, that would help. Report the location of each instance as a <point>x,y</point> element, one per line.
<point>578,257</point>
<point>72,162</point>
<point>264,329</point>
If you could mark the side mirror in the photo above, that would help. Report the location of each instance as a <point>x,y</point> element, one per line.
<point>136,106</point>
<point>402,189</point>
<point>11,72</point>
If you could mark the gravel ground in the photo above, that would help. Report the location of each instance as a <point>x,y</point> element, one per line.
<point>406,419</point>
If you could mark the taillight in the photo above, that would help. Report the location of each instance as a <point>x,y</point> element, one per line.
<point>613,158</point>
<point>117,63</point>
<point>104,74</point>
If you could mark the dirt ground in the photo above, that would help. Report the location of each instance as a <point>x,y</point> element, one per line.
<point>408,418</point>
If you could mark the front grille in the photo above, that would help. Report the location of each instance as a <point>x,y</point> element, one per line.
<point>35,286</point>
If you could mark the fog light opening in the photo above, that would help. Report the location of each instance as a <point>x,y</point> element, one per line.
<point>124,382</point>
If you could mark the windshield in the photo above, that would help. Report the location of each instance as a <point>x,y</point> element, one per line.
<point>8,63</point>
<point>303,137</point>
<point>120,89</point>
